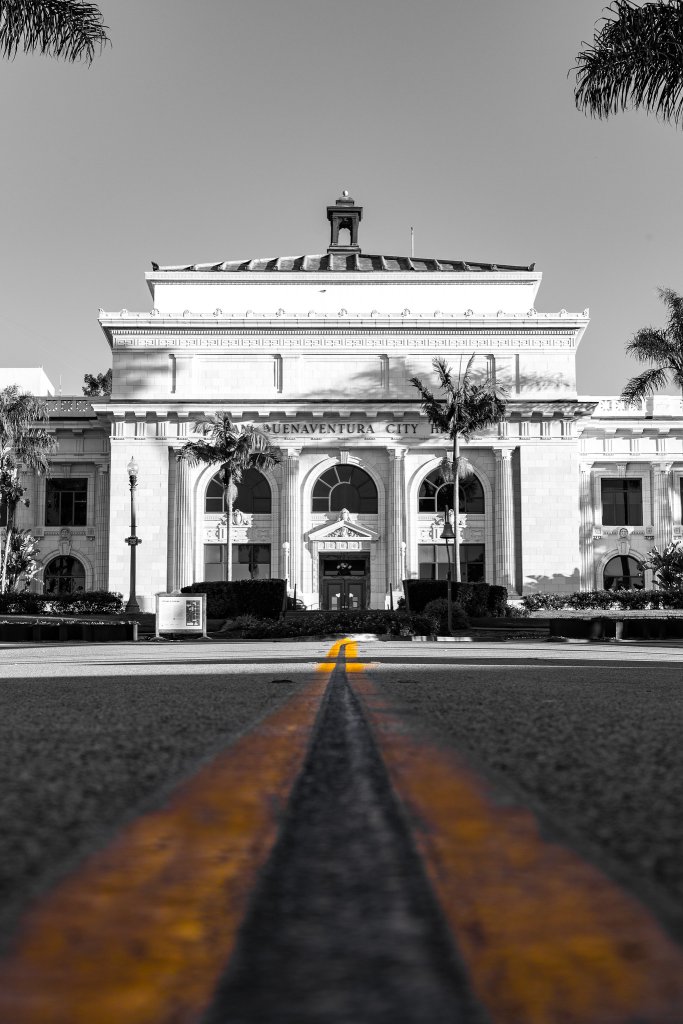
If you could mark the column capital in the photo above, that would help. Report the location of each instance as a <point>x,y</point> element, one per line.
<point>503,452</point>
<point>586,467</point>
<point>662,467</point>
<point>396,451</point>
<point>290,453</point>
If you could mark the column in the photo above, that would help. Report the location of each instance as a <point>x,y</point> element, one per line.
<point>504,520</point>
<point>291,518</point>
<point>395,519</point>
<point>586,555</point>
<point>661,503</point>
<point>102,527</point>
<point>183,535</point>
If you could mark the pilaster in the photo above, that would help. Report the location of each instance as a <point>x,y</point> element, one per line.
<point>662,520</point>
<point>504,519</point>
<point>395,519</point>
<point>183,536</point>
<point>291,519</point>
<point>587,521</point>
<point>102,527</point>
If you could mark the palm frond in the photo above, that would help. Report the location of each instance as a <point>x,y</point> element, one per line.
<point>635,61</point>
<point>645,384</point>
<point>674,327</point>
<point>72,29</point>
<point>649,344</point>
<point>197,451</point>
<point>443,373</point>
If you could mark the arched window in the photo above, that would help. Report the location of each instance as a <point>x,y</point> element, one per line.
<point>345,487</point>
<point>253,494</point>
<point>64,575</point>
<point>435,494</point>
<point>623,573</point>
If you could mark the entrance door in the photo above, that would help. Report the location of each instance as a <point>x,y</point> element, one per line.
<point>344,582</point>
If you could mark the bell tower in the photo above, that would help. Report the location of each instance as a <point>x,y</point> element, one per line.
<point>344,216</point>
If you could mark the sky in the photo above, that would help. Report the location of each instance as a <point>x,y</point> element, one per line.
<point>221,129</point>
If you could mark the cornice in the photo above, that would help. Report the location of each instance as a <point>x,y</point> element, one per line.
<point>344,277</point>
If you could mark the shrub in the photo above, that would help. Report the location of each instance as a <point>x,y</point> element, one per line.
<point>93,602</point>
<point>497,600</point>
<point>325,623</point>
<point>476,599</point>
<point>600,600</point>
<point>437,612</point>
<point>225,600</point>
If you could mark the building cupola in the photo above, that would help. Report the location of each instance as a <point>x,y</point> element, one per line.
<point>344,216</point>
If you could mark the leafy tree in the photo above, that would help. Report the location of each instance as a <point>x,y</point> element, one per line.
<point>661,346</point>
<point>97,385</point>
<point>22,561</point>
<point>71,29</point>
<point>235,449</point>
<point>667,565</point>
<point>21,443</point>
<point>464,407</point>
<point>635,61</point>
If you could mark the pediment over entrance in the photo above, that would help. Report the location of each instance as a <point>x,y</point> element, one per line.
<point>342,529</point>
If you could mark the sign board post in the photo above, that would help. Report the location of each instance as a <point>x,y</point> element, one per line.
<point>181,613</point>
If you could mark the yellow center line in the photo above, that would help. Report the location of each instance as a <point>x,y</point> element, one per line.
<point>143,929</point>
<point>546,936</point>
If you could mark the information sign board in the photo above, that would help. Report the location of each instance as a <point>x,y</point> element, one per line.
<point>181,613</point>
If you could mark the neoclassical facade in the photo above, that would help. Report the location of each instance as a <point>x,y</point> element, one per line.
<point>568,492</point>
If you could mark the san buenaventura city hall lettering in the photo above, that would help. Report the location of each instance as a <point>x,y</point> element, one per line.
<point>569,492</point>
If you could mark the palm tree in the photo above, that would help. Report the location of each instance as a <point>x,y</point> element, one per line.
<point>663,347</point>
<point>20,443</point>
<point>71,29</point>
<point>635,61</point>
<point>463,408</point>
<point>235,449</point>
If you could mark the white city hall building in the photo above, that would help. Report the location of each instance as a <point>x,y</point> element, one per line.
<point>569,492</point>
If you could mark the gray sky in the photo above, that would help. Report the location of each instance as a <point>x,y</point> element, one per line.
<point>221,129</point>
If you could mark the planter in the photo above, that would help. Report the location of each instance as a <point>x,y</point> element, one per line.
<point>614,627</point>
<point>56,632</point>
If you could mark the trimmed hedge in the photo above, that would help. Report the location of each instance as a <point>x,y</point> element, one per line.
<point>93,602</point>
<point>263,598</point>
<point>635,600</point>
<point>324,623</point>
<point>477,600</point>
<point>437,611</point>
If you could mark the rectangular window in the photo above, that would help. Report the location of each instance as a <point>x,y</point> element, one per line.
<point>66,502</point>
<point>622,502</point>
<point>433,562</point>
<point>213,562</point>
<point>249,561</point>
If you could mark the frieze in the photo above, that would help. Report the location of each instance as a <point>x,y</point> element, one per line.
<point>357,340</point>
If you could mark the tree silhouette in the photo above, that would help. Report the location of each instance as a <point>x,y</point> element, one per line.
<point>635,61</point>
<point>71,29</point>
<point>661,346</point>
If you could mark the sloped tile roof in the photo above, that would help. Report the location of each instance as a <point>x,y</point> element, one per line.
<point>339,262</point>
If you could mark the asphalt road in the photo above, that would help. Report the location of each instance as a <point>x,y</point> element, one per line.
<point>343,923</point>
<point>594,749</point>
<point>92,737</point>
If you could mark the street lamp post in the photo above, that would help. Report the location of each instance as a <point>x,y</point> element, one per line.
<point>133,540</point>
<point>446,535</point>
